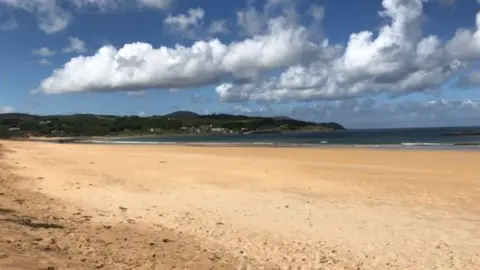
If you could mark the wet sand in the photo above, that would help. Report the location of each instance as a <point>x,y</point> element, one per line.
<point>159,207</point>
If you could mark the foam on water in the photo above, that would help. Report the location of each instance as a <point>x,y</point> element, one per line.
<point>420,138</point>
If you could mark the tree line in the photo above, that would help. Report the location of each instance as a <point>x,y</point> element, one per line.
<point>103,125</point>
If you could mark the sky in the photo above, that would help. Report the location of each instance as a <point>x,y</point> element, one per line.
<point>364,64</point>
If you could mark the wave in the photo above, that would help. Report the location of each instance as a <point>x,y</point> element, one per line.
<point>120,142</point>
<point>426,144</point>
<point>412,145</point>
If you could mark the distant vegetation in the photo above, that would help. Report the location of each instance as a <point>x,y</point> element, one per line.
<point>181,122</point>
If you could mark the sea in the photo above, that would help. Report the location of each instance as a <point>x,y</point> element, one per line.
<point>439,138</point>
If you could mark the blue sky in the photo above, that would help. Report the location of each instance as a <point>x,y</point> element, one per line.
<point>388,63</point>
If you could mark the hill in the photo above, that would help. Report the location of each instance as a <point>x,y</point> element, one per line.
<point>17,124</point>
<point>182,114</point>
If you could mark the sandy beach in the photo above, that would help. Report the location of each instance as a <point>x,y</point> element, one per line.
<point>72,206</point>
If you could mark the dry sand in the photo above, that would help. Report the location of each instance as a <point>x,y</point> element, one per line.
<point>68,206</point>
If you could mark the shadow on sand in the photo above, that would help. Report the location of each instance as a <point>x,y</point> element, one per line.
<point>32,224</point>
<point>11,217</point>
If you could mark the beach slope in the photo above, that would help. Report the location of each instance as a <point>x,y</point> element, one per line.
<point>158,207</point>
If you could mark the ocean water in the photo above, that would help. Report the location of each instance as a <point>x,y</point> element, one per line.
<point>405,138</point>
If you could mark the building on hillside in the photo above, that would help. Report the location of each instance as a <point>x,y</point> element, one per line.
<point>219,130</point>
<point>205,128</point>
<point>156,130</point>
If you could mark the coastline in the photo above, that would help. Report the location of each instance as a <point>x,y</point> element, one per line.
<point>268,207</point>
<point>403,146</point>
<point>109,140</point>
<point>427,138</point>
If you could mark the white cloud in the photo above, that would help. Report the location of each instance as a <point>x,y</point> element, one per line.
<point>469,80</point>
<point>44,62</point>
<point>317,12</point>
<point>75,45</point>
<point>6,109</point>
<point>192,25</point>
<point>186,24</point>
<point>44,52</point>
<point>54,16</point>
<point>373,113</point>
<point>254,22</point>
<point>9,25</point>
<point>217,27</point>
<point>397,60</point>
<point>160,4</point>
<point>139,66</point>
<point>465,45</point>
<point>250,21</point>
<point>110,5</point>
<point>102,5</point>
<point>51,18</point>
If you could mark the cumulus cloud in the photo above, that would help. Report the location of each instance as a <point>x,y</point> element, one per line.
<point>192,25</point>
<point>44,52</point>
<point>469,80</point>
<point>251,21</point>
<point>186,24</point>
<point>398,59</point>
<point>55,15</point>
<point>139,66</point>
<point>6,109</point>
<point>51,17</point>
<point>317,12</point>
<point>75,45</point>
<point>9,25</point>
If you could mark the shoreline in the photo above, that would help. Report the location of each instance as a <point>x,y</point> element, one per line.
<point>374,139</point>
<point>384,147</point>
<point>402,146</point>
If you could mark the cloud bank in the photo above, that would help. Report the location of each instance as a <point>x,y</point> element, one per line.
<point>373,113</point>
<point>397,60</point>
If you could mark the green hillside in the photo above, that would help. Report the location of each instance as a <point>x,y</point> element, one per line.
<point>181,122</point>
